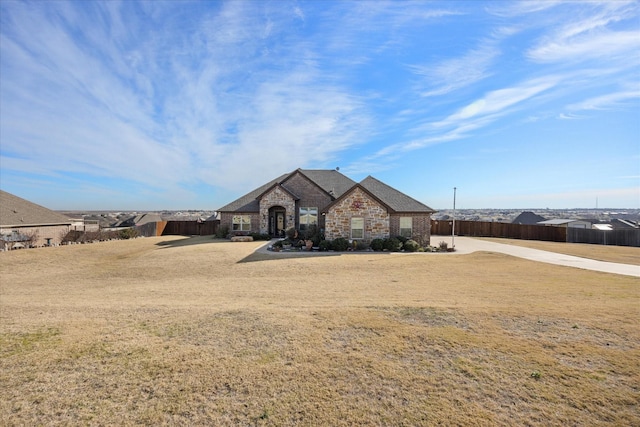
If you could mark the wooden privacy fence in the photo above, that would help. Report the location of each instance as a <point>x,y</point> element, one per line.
<point>190,228</point>
<point>629,237</point>
<point>500,229</point>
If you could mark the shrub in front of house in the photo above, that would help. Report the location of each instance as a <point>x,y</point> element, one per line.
<point>377,245</point>
<point>402,239</point>
<point>222,232</point>
<point>411,246</point>
<point>259,236</point>
<point>340,244</point>
<point>392,244</point>
<point>324,245</point>
<point>292,234</point>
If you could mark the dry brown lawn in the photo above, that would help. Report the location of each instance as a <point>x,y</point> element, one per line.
<point>194,331</point>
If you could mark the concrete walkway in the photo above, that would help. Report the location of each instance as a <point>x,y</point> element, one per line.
<point>466,245</point>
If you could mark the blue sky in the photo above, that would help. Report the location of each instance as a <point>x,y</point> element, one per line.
<point>189,105</point>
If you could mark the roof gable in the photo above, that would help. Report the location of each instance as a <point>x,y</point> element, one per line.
<point>281,187</point>
<point>395,200</point>
<point>336,185</point>
<point>16,212</point>
<point>331,182</point>
<point>249,202</point>
<point>528,218</point>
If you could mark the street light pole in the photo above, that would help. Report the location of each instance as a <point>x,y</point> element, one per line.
<point>453,229</point>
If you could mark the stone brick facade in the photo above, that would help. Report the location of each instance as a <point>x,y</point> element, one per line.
<point>357,204</point>
<point>277,197</point>
<point>421,227</point>
<point>276,208</point>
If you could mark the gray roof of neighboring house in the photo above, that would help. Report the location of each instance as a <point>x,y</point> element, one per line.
<point>331,181</point>
<point>18,212</point>
<point>394,199</point>
<point>528,218</point>
<point>560,221</point>
<point>136,220</point>
<point>624,223</point>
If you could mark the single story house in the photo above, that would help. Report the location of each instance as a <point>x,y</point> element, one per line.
<point>337,205</point>
<point>137,220</point>
<point>528,218</point>
<point>23,223</point>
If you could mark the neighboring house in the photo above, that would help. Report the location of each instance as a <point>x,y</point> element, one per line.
<point>602,227</point>
<point>528,218</point>
<point>336,204</point>
<point>624,224</point>
<point>23,223</point>
<point>137,220</point>
<point>571,223</point>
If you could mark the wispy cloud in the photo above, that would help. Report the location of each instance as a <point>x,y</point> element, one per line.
<point>584,37</point>
<point>608,101</point>
<point>208,114</point>
<point>455,73</point>
<point>229,94</point>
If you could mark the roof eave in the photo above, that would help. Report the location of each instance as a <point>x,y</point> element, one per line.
<point>35,225</point>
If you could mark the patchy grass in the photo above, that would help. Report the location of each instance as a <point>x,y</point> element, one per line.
<point>137,332</point>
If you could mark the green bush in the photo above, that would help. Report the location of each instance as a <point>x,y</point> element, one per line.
<point>292,234</point>
<point>340,244</point>
<point>411,246</point>
<point>392,244</point>
<point>222,232</point>
<point>258,236</point>
<point>324,245</point>
<point>402,239</point>
<point>313,233</point>
<point>377,244</point>
<point>128,233</point>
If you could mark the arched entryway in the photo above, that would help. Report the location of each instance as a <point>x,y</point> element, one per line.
<point>277,221</point>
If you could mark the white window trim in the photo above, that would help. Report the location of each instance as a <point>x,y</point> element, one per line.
<point>307,216</point>
<point>410,228</point>
<point>243,225</point>
<point>351,227</point>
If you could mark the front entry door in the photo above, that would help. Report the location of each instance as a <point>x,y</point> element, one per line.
<point>280,223</point>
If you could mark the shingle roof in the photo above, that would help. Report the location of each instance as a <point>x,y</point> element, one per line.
<point>331,181</point>
<point>394,199</point>
<point>528,218</point>
<point>336,184</point>
<point>18,212</point>
<point>248,202</point>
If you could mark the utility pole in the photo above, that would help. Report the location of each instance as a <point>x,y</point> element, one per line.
<point>453,229</point>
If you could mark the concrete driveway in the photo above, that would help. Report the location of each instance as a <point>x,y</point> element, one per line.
<point>466,245</point>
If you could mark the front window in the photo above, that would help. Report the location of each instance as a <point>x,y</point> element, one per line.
<point>406,228</point>
<point>241,223</point>
<point>308,217</point>
<point>357,228</point>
